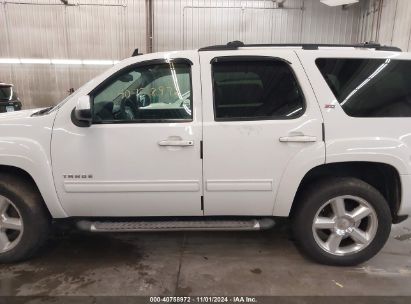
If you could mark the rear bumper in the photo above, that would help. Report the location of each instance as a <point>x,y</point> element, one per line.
<point>15,104</point>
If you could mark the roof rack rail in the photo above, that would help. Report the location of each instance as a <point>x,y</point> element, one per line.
<point>234,45</point>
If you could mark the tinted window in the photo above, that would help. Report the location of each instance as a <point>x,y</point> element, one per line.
<point>248,90</point>
<point>370,87</point>
<point>149,93</point>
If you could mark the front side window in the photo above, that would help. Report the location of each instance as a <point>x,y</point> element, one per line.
<point>158,92</point>
<point>369,87</point>
<point>255,89</point>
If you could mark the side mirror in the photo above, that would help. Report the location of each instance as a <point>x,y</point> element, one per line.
<point>82,111</point>
<point>143,100</point>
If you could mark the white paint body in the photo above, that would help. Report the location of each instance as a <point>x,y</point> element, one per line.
<point>246,169</point>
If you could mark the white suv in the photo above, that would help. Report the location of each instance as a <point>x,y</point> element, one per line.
<point>221,138</point>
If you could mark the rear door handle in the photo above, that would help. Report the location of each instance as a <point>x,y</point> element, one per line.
<point>176,143</point>
<point>298,138</point>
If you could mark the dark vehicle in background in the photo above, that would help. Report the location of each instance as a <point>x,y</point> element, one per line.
<point>9,101</point>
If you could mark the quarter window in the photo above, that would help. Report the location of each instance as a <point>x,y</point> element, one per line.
<point>369,87</point>
<point>255,90</point>
<point>146,93</point>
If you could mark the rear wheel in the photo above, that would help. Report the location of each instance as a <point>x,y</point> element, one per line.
<point>342,221</point>
<point>24,220</point>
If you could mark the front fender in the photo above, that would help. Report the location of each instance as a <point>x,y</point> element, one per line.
<point>25,144</point>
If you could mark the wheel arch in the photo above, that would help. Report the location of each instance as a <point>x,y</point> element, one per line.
<point>53,208</point>
<point>384,177</point>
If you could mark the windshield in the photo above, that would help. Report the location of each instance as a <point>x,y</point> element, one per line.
<point>6,93</point>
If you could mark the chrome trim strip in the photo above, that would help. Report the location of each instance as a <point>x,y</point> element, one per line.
<point>240,185</point>
<point>132,186</point>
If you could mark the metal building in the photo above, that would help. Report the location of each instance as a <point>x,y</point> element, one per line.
<point>51,46</point>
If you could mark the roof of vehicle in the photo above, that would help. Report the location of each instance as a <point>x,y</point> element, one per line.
<point>3,84</point>
<point>234,45</point>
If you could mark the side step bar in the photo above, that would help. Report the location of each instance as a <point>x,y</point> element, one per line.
<point>172,225</point>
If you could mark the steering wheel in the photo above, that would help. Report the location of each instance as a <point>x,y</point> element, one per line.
<point>129,103</point>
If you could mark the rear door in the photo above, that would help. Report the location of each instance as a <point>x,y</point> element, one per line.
<point>260,117</point>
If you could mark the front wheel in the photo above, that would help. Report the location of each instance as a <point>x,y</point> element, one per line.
<point>341,221</point>
<point>24,220</point>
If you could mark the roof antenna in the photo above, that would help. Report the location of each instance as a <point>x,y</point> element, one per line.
<point>136,53</point>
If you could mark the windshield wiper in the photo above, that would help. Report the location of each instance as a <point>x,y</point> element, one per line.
<point>42,111</point>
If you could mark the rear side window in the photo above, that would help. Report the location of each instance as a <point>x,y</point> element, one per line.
<point>369,87</point>
<point>255,90</point>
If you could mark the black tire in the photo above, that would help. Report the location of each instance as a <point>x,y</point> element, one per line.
<point>313,197</point>
<point>36,219</point>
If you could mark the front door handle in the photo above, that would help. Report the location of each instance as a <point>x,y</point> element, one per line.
<point>298,138</point>
<point>176,143</point>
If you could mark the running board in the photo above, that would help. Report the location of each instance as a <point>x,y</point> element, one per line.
<point>172,225</point>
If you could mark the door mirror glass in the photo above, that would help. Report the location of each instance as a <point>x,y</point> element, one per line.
<point>143,100</point>
<point>82,111</point>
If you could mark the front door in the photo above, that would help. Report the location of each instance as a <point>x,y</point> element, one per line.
<point>259,117</point>
<point>141,155</point>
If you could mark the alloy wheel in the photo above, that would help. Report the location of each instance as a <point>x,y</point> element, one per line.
<point>345,225</point>
<point>11,225</point>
